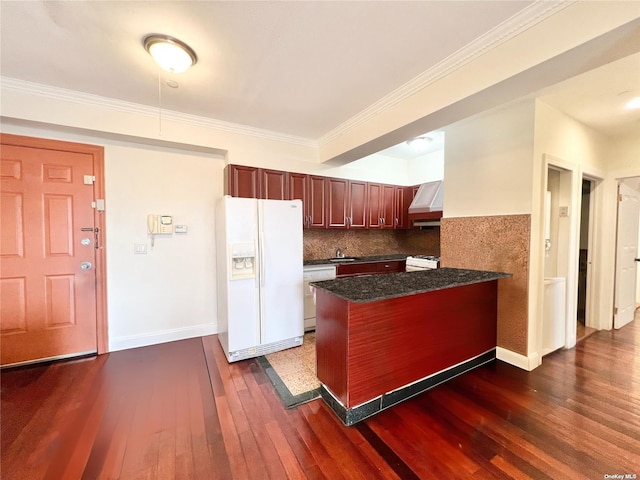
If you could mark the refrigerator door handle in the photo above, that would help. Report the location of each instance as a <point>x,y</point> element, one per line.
<point>262,267</point>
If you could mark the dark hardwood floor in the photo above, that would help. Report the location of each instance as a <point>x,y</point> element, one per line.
<point>179,410</point>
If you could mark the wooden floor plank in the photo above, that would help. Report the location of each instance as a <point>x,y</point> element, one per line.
<point>180,410</point>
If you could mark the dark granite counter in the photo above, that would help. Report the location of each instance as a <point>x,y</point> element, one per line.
<point>365,259</point>
<point>371,288</point>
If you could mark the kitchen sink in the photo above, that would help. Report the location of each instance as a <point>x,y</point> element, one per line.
<point>343,259</point>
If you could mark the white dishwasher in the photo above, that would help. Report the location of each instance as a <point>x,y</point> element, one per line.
<point>314,273</point>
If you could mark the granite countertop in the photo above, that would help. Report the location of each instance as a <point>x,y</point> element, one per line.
<point>365,259</point>
<point>371,288</point>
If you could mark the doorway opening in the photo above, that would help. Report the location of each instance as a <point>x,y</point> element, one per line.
<point>583,328</point>
<point>558,328</point>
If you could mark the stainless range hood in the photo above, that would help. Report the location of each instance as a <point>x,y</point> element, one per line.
<point>426,208</point>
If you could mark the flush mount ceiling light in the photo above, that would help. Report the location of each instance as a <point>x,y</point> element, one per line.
<point>419,144</point>
<point>633,104</point>
<point>170,53</point>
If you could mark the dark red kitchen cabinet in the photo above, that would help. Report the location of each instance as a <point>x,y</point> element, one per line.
<point>311,189</point>
<point>404,196</point>
<point>369,268</point>
<point>337,202</point>
<point>374,219</point>
<point>346,203</point>
<point>242,181</point>
<point>317,201</point>
<point>382,200</point>
<point>352,269</point>
<point>273,184</point>
<point>388,206</point>
<point>298,188</point>
<point>357,204</point>
<point>393,266</point>
<point>253,182</point>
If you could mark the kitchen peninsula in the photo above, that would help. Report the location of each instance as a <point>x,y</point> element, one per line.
<point>381,339</point>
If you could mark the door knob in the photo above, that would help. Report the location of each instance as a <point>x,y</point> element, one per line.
<point>86,266</point>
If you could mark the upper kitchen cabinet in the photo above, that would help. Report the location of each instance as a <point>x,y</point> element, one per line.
<point>252,182</point>
<point>382,206</point>
<point>403,200</point>
<point>241,181</point>
<point>337,202</point>
<point>273,185</point>
<point>311,189</point>
<point>346,203</point>
<point>327,202</point>
<point>357,204</point>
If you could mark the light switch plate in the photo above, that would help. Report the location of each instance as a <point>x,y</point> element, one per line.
<point>180,229</point>
<point>140,248</point>
<point>564,211</point>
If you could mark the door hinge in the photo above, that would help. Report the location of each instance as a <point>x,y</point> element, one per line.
<point>619,197</point>
<point>615,310</point>
<point>89,179</point>
<point>98,204</point>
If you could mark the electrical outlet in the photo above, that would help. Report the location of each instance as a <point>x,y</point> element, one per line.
<point>564,211</point>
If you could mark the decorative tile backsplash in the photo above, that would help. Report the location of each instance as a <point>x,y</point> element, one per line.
<point>320,244</point>
<point>496,243</point>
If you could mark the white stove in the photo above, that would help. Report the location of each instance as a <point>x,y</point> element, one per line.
<point>422,262</point>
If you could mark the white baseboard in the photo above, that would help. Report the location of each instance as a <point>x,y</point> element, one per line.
<point>518,360</point>
<point>153,338</point>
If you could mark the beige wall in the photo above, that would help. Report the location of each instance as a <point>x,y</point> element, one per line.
<point>487,206</point>
<point>495,167</point>
<point>578,151</point>
<point>487,166</point>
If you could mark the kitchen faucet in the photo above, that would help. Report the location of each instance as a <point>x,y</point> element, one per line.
<point>339,253</point>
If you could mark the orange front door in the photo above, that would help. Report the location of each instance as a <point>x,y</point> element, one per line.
<point>47,254</point>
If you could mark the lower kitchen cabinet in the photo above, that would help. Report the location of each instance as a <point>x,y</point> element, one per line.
<point>369,268</point>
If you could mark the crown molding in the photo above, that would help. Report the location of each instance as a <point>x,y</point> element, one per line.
<point>55,93</point>
<point>507,30</point>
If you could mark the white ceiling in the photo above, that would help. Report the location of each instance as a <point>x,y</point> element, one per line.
<point>299,68</point>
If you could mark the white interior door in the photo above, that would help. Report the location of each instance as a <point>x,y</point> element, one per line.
<point>626,250</point>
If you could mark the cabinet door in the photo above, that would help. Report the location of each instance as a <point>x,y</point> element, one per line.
<point>273,184</point>
<point>316,201</point>
<point>243,181</point>
<point>388,206</point>
<point>352,269</point>
<point>374,219</point>
<point>337,201</point>
<point>392,266</point>
<point>357,204</point>
<point>298,190</point>
<point>401,207</point>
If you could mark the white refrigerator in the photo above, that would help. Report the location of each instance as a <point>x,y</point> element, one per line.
<point>259,276</point>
